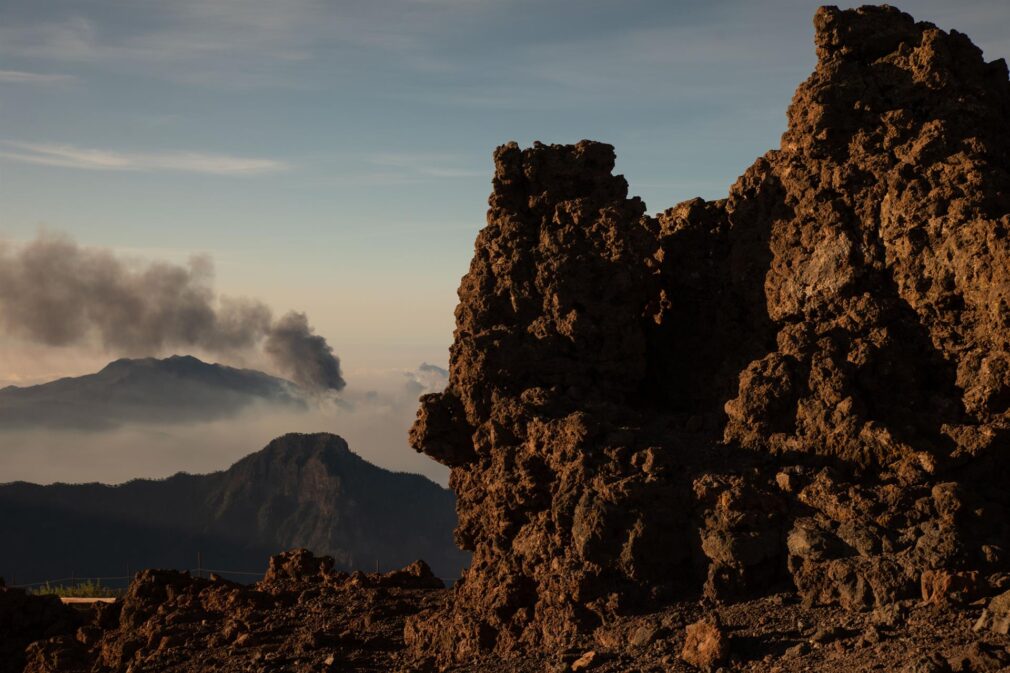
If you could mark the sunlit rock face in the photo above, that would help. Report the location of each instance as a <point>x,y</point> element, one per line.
<point>806,383</point>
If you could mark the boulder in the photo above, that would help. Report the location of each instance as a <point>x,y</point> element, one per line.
<point>706,645</point>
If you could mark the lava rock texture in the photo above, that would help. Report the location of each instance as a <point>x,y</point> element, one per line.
<point>806,383</point>
<point>303,616</point>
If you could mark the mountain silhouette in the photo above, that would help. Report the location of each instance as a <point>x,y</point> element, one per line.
<point>301,490</point>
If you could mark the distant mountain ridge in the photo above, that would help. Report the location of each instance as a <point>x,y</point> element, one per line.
<point>301,490</point>
<point>177,389</point>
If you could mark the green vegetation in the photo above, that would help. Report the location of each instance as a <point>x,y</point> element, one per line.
<point>86,589</point>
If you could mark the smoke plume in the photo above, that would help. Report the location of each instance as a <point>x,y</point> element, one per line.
<point>306,356</point>
<point>55,292</point>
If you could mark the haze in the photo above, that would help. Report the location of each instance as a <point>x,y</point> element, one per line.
<point>333,159</point>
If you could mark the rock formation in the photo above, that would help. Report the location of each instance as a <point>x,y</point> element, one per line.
<point>805,383</point>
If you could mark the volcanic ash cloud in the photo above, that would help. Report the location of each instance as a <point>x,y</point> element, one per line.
<point>58,293</point>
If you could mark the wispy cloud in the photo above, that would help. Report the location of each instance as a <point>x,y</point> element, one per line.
<point>424,165</point>
<point>19,77</point>
<point>69,156</point>
<point>238,43</point>
<point>178,40</point>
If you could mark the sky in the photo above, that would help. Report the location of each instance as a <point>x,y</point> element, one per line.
<point>335,157</point>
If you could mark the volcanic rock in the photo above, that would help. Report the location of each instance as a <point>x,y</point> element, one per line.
<point>805,383</point>
<point>584,662</point>
<point>927,664</point>
<point>996,616</point>
<point>705,645</point>
<point>302,616</point>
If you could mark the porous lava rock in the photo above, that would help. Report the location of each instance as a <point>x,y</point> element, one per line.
<point>302,617</point>
<point>996,616</point>
<point>807,382</point>
<point>705,645</point>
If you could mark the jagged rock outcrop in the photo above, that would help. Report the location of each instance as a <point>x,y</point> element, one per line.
<point>806,382</point>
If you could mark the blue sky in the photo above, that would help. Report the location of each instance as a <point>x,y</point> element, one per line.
<point>334,157</point>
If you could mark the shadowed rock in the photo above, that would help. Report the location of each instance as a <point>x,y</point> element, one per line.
<point>807,382</point>
<point>25,618</point>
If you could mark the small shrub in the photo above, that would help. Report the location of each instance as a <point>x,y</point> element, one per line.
<point>88,589</point>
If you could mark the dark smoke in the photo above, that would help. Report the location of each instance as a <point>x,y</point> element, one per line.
<point>58,293</point>
<point>306,356</point>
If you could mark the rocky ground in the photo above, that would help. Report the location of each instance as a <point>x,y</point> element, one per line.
<point>778,635</point>
<point>304,617</point>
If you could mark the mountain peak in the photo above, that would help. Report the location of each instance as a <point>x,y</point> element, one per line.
<point>301,490</point>
<point>172,362</point>
<point>320,440</point>
<point>305,445</point>
<point>187,360</point>
<point>180,388</point>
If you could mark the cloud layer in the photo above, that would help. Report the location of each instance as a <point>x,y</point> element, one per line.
<point>70,156</point>
<point>20,77</point>
<point>373,415</point>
